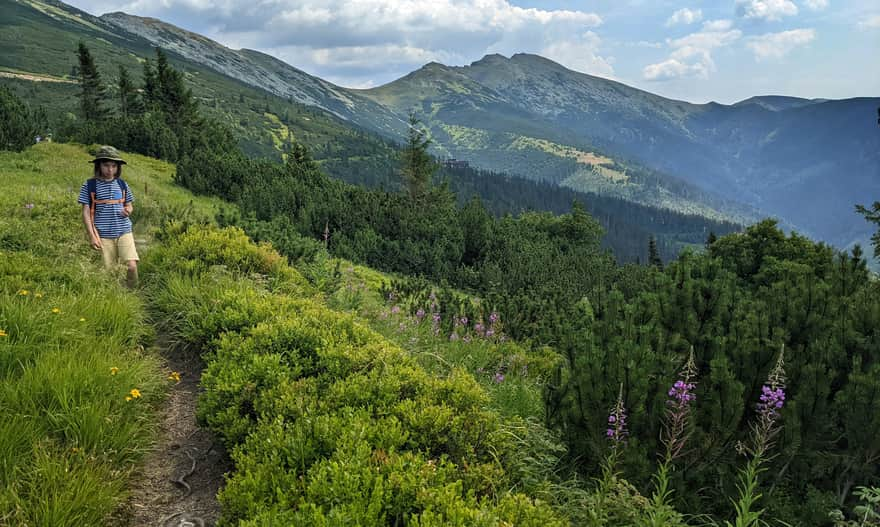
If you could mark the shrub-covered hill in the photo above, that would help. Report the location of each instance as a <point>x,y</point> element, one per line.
<point>346,400</point>
<point>329,422</point>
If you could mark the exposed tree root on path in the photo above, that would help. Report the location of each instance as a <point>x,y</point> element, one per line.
<point>178,484</point>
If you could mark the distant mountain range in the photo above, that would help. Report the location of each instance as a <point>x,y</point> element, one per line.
<point>806,162</point>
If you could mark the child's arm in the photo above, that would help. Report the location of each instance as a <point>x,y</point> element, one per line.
<point>90,229</point>
<point>126,209</point>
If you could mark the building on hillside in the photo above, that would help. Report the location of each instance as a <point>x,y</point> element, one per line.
<point>455,163</point>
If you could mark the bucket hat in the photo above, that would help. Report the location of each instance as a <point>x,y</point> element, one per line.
<point>109,153</point>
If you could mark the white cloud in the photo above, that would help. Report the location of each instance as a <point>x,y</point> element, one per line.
<point>778,45</point>
<point>691,55</point>
<point>769,10</point>
<point>816,5</point>
<point>872,22</point>
<point>351,40</point>
<point>671,69</point>
<point>580,54</point>
<point>685,16</point>
<point>717,25</point>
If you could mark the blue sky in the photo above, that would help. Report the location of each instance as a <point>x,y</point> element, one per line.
<point>697,51</point>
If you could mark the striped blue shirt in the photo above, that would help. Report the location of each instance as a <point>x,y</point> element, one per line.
<point>109,220</point>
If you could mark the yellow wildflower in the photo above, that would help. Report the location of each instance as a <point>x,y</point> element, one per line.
<point>23,292</point>
<point>82,320</point>
<point>114,370</point>
<point>38,295</point>
<point>174,376</point>
<point>135,393</point>
<point>56,310</point>
<point>3,333</point>
<point>127,398</point>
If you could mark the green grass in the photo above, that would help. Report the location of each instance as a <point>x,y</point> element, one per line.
<point>74,342</point>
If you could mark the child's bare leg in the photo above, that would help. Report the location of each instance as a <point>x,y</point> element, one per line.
<point>132,275</point>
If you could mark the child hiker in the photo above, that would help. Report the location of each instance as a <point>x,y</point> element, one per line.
<point>106,201</point>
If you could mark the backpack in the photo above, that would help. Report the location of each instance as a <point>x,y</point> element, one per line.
<point>92,188</point>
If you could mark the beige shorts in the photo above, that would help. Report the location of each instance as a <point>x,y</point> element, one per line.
<point>118,250</point>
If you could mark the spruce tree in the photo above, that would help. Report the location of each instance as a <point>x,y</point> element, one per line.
<point>873,216</point>
<point>93,91</point>
<point>711,239</point>
<point>653,253</point>
<point>417,165</point>
<point>129,103</point>
<point>150,83</point>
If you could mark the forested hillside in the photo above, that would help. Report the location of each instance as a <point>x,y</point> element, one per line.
<point>39,41</point>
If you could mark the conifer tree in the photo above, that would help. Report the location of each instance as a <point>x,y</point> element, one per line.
<point>18,123</point>
<point>711,239</point>
<point>417,165</point>
<point>93,91</point>
<point>873,216</point>
<point>653,253</point>
<point>129,103</point>
<point>150,83</point>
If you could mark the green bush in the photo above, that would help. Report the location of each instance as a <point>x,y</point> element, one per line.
<point>328,422</point>
<point>19,125</point>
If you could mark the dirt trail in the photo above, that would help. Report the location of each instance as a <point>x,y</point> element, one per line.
<point>185,455</point>
<point>34,77</point>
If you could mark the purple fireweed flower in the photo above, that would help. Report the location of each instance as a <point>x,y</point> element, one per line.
<point>675,429</point>
<point>395,310</point>
<point>493,318</point>
<point>499,377</point>
<point>478,327</point>
<point>435,317</point>
<point>464,321</point>
<point>420,314</point>
<point>29,206</point>
<point>681,392</point>
<point>616,430</point>
<point>771,400</point>
<point>490,332</point>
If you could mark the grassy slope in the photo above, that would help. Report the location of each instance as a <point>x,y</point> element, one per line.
<point>68,436</point>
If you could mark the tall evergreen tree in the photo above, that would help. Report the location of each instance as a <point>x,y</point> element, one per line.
<point>129,103</point>
<point>93,91</point>
<point>150,83</point>
<point>711,239</point>
<point>873,216</point>
<point>417,165</point>
<point>653,253</point>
